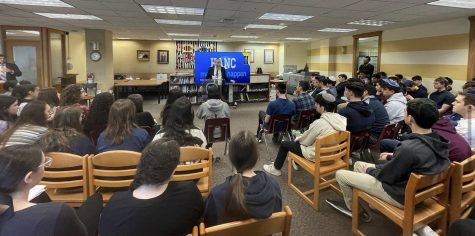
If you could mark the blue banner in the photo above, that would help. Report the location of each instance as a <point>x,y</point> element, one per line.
<point>235,63</point>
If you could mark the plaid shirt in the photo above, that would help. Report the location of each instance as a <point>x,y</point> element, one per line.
<point>303,102</point>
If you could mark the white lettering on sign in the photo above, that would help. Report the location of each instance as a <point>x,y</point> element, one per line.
<point>229,62</point>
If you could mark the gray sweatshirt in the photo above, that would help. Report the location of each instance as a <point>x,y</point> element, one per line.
<point>213,108</point>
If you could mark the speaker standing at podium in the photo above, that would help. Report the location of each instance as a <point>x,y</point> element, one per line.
<point>218,74</point>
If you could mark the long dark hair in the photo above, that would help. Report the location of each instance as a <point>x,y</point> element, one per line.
<point>179,121</point>
<point>24,90</point>
<point>50,96</point>
<point>5,103</point>
<point>70,95</point>
<point>33,113</point>
<point>68,117</point>
<point>173,95</point>
<point>15,162</point>
<point>121,121</point>
<point>243,155</point>
<point>96,120</point>
<point>157,163</point>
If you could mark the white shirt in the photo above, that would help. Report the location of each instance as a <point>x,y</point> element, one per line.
<point>194,132</point>
<point>217,75</point>
<point>466,128</point>
<point>3,74</point>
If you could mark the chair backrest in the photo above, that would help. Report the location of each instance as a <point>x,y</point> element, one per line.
<point>462,182</point>
<point>399,126</point>
<point>196,164</point>
<point>389,132</point>
<point>333,146</point>
<point>359,140</point>
<point>279,123</point>
<point>279,222</point>
<point>305,118</point>
<point>66,171</point>
<point>422,187</point>
<point>214,125</point>
<point>112,169</point>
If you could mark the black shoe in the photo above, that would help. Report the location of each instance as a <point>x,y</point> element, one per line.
<point>340,206</point>
<point>216,159</point>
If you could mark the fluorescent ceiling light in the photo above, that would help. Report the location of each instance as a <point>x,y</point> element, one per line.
<point>254,26</point>
<point>470,4</point>
<point>212,40</point>
<point>183,35</point>
<point>337,30</point>
<point>245,36</point>
<point>298,39</point>
<point>43,3</point>
<point>173,10</point>
<point>370,22</point>
<point>122,38</point>
<point>286,17</point>
<point>185,39</point>
<point>31,32</point>
<point>178,22</point>
<point>262,42</point>
<point>69,16</point>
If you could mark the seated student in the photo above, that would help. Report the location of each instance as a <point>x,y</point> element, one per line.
<point>121,132</point>
<point>464,105</point>
<point>303,101</point>
<point>395,100</point>
<point>51,97</point>
<point>72,96</point>
<point>459,149</point>
<point>304,145</point>
<point>388,181</point>
<point>340,87</point>
<point>463,227</point>
<point>154,205</point>
<point>142,118</point>
<point>281,106</point>
<point>417,79</point>
<point>96,119</point>
<point>413,91</point>
<point>315,85</point>
<point>381,117</point>
<point>8,111</point>
<point>375,78</point>
<point>8,87</point>
<point>442,97</point>
<point>66,135</point>
<point>214,107</point>
<point>30,126</point>
<point>359,115</point>
<point>325,86</point>
<point>21,168</point>
<point>379,91</point>
<point>26,93</point>
<point>173,95</point>
<point>246,194</point>
<point>179,125</point>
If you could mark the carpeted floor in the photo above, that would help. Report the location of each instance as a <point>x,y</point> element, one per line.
<point>305,220</point>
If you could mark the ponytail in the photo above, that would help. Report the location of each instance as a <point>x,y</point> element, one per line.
<point>235,203</point>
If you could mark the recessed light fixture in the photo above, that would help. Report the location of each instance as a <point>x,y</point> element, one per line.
<point>31,32</point>
<point>337,30</point>
<point>69,16</point>
<point>122,38</point>
<point>212,40</point>
<point>298,39</point>
<point>370,22</point>
<point>43,3</point>
<point>470,4</point>
<point>254,26</point>
<point>178,22</point>
<point>286,17</point>
<point>183,35</point>
<point>173,10</point>
<point>245,36</point>
<point>191,39</point>
<point>262,42</point>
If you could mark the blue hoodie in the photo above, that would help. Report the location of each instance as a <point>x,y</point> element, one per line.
<point>359,116</point>
<point>381,117</point>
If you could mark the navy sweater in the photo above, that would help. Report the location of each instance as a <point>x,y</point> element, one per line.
<point>359,116</point>
<point>381,117</point>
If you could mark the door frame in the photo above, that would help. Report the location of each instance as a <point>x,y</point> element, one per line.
<point>33,43</point>
<point>379,34</point>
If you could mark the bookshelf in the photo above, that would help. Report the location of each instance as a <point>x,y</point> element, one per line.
<point>186,83</point>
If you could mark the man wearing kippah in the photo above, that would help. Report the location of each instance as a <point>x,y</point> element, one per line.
<point>396,102</point>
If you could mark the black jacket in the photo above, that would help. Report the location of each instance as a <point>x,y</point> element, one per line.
<point>431,157</point>
<point>359,116</point>
<point>16,71</point>
<point>381,117</point>
<point>223,74</point>
<point>368,69</point>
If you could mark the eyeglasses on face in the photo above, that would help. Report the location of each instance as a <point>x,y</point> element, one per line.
<point>47,163</point>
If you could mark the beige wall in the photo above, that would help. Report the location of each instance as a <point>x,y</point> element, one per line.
<point>103,69</point>
<point>295,54</point>
<point>77,55</point>
<point>56,60</point>
<point>258,54</point>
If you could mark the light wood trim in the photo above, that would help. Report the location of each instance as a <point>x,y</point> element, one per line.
<point>379,34</point>
<point>471,50</point>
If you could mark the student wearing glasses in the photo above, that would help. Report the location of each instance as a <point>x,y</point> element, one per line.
<point>21,168</point>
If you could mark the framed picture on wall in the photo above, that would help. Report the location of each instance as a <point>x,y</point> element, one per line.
<point>162,57</point>
<point>268,56</point>
<point>143,55</point>
<point>250,51</point>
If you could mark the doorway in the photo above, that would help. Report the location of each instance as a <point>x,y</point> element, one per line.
<point>27,56</point>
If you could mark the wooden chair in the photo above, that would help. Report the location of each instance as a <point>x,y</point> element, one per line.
<point>278,124</point>
<point>426,199</point>
<point>389,132</point>
<point>223,124</point>
<point>66,178</point>
<point>279,222</point>
<point>112,170</point>
<point>331,154</point>
<point>200,170</point>
<point>462,189</point>
<point>305,119</point>
<point>359,141</point>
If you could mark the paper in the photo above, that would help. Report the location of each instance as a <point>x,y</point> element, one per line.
<point>36,191</point>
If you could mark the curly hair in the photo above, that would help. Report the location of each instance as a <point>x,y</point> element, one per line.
<point>70,95</point>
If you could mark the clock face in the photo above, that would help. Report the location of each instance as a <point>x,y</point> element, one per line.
<point>96,56</point>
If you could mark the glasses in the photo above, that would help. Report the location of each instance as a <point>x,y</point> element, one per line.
<point>47,163</point>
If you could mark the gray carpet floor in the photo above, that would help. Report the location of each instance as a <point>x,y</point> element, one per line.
<point>305,220</point>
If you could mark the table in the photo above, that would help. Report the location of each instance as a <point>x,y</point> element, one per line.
<point>134,84</point>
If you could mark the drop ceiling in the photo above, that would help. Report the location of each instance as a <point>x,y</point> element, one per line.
<point>127,19</point>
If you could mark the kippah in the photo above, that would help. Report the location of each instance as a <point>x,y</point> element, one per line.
<point>391,82</point>
<point>332,78</point>
<point>328,97</point>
